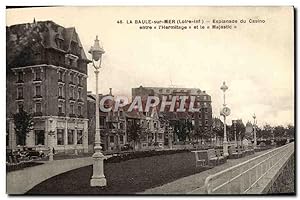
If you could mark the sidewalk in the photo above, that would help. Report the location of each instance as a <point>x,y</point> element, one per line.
<point>19,182</point>
<point>194,184</point>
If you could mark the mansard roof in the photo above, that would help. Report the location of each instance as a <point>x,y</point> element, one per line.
<point>40,35</point>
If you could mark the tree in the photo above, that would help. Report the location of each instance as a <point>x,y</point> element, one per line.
<point>182,128</point>
<point>134,131</point>
<point>23,125</point>
<point>291,131</point>
<point>266,132</point>
<point>279,132</point>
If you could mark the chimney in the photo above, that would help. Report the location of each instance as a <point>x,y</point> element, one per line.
<point>110,91</point>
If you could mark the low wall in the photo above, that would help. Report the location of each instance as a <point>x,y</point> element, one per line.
<point>285,182</point>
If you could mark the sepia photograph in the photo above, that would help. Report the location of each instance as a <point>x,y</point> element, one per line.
<point>150,100</point>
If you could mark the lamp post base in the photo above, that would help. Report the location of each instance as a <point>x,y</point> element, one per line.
<point>75,152</point>
<point>98,179</point>
<point>98,182</point>
<point>225,149</point>
<point>51,157</point>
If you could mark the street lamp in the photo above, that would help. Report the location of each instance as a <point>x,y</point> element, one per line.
<point>98,179</point>
<point>254,130</point>
<point>234,123</point>
<point>225,111</point>
<point>51,133</point>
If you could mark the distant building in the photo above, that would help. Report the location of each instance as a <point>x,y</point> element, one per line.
<point>112,124</point>
<point>202,120</point>
<point>46,76</point>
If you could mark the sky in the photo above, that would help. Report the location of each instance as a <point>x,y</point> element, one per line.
<point>255,60</point>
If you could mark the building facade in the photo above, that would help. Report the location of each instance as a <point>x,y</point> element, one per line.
<point>112,124</point>
<point>201,121</point>
<point>46,76</point>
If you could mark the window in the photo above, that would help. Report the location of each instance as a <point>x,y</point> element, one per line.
<point>160,136</point>
<point>204,97</point>
<point>71,108</point>
<point>37,75</point>
<point>37,90</point>
<point>121,126</point>
<point>121,139</point>
<point>39,137</point>
<point>71,92</point>
<point>79,111</point>
<point>60,108</point>
<point>60,76</point>
<point>160,90</point>
<point>20,77</point>
<point>79,136</point>
<point>38,107</point>
<point>60,136</point>
<point>20,92</point>
<point>79,80</point>
<point>111,139</point>
<point>67,61</point>
<point>71,78</point>
<point>20,107</point>
<point>79,93</point>
<point>70,136</point>
<point>206,122</point>
<point>60,91</point>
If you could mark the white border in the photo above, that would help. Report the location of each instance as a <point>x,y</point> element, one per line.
<point>113,2</point>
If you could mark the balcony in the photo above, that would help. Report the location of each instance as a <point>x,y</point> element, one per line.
<point>72,115</point>
<point>21,98</point>
<point>37,114</point>
<point>37,97</point>
<point>71,83</point>
<point>61,98</point>
<point>37,80</point>
<point>20,82</point>
<point>60,82</point>
<point>61,114</point>
<point>80,85</point>
<point>72,100</point>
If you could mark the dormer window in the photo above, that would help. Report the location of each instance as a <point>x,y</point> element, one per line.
<point>71,60</point>
<point>59,41</point>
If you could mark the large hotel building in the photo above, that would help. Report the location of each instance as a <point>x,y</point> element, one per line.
<point>46,75</point>
<point>201,119</point>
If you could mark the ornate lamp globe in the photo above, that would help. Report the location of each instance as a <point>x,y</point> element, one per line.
<point>224,87</point>
<point>96,51</point>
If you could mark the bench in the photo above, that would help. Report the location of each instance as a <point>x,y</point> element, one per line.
<point>200,158</point>
<point>248,150</point>
<point>212,157</point>
<point>221,159</point>
<point>233,154</point>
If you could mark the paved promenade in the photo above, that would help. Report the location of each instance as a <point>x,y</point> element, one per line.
<point>194,184</point>
<point>19,182</point>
